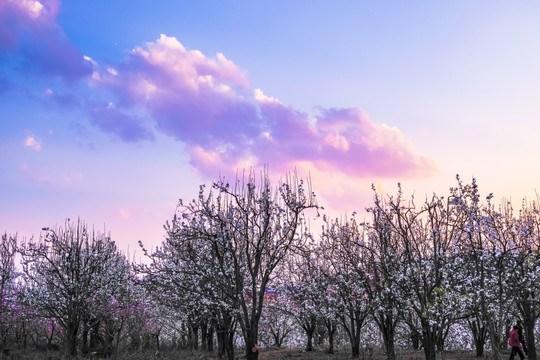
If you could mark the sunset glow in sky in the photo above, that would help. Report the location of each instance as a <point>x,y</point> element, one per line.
<point>113,111</point>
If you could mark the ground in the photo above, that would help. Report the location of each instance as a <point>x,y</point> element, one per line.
<point>292,354</point>
<point>321,355</point>
<point>266,354</point>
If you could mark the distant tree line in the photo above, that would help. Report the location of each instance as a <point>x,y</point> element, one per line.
<point>241,265</point>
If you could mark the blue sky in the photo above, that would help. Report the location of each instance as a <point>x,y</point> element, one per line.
<point>101,119</point>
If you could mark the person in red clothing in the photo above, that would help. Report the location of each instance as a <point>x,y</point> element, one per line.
<point>513,341</point>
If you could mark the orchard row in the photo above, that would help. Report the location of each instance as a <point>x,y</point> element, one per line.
<point>241,264</point>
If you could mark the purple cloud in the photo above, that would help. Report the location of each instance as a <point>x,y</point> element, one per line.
<point>208,104</point>
<point>126,127</point>
<point>30,34</point>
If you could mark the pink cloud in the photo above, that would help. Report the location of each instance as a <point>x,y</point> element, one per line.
<point>125,213</point>
<point>193,98</point>
<point>31,142</point>
<point>207,103</point>
<point>343,140</point>
<point>361,147</point>
<point>30,34</point>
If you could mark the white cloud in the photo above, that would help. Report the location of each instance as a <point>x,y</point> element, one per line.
<point>31,142</point>
<point>33,8</point>
<point>262,98</point>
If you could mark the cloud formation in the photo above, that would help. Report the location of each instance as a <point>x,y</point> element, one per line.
<point>191,97</point>
<point>32,143</point>
<point>208,104</point>
<point>126,127</point>
<point>32,40</point>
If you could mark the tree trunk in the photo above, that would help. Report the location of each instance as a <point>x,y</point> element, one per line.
<point>229,345</point>
<point>220,335</point>
<point>195,337</point>
<point>331,327</point>
<point>320,334</point>
<point>95,336</point>
<point>356,326</point>
<point>72,331</point>
<point>204,333</point>
<point>157,340</point>
<point>278,337</point>
<point>415,339</point>
<point>429,352</point>
<point>386,326</point>
<point>117,340</point>
<point>494,338</point>
<point>355,349</point>
<point>429,344</point>
<point>252,350</point>
<point>210,338</point>
<point>309,345</point>
<point>135,341</point>
<point>528,326</point>
<point>50,338</point>
<point>225,336</point>
<point>352,324</point>
<point>479,345</point>
<point>388,338</point>
<point>84,337</point>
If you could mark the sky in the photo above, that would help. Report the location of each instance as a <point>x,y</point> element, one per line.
<point>111,113</point>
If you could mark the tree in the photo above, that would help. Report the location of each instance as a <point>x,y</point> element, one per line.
<point>488,236</point>
<point>302,294</point>
<point>341,246</point>
<point>64,271</point>
<point>276,322</point>
<point>384,249</point>
<point>247,228</point>
<point>8,289</point>
<point>184,277</point>
<point>524,279</point>
<point>109,309</point>
<point>429,273</point>
<point>324,297</point>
